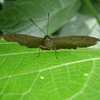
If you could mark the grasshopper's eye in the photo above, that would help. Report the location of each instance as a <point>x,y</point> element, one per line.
<point>47,38</point>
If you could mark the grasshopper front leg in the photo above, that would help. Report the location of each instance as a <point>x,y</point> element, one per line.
<point>40,46</point>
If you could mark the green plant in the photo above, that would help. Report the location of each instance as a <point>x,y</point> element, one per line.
<point>73,76</point>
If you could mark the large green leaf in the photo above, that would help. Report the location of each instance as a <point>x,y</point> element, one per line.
<point>15,17</point>
<point>81,25</point>
<point>73,76</point>
<point>86,7</point>
<point>91,7</point>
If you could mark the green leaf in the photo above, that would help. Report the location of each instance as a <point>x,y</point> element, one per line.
<point>73,76</point>
<point>15,17</point>
<point>81,25</point>
<point>91,7</point>
<point>93,10</point>
<point>23,76</point>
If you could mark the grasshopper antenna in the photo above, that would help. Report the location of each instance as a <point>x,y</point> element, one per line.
<point>37,26</point>
<point>48,24</point>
